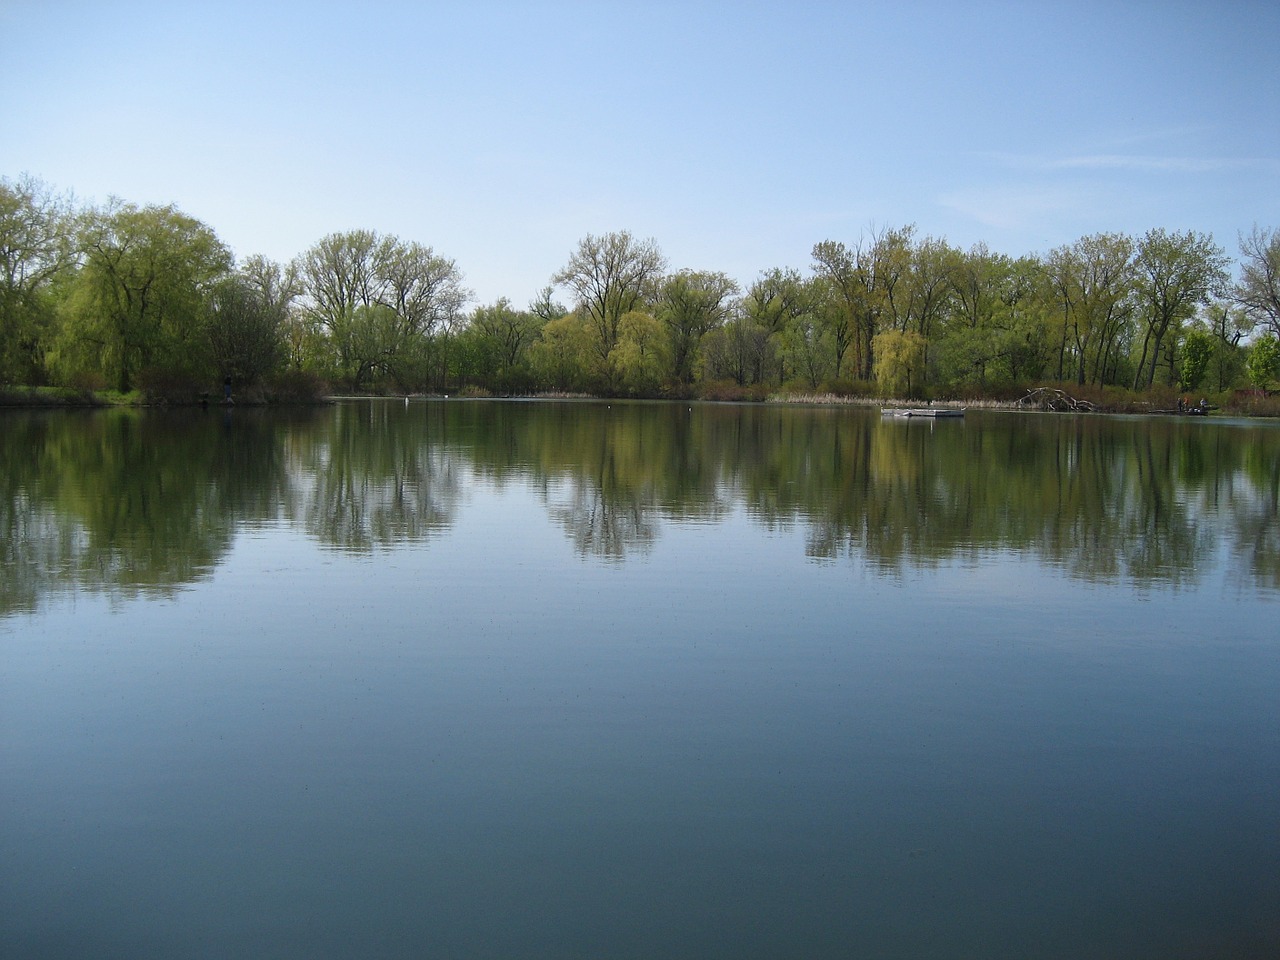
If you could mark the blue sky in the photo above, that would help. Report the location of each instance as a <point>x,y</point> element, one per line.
<point>737,135</point>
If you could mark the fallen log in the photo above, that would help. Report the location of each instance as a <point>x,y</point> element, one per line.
<point>1052,398</point>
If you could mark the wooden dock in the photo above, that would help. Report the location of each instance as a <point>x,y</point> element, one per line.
<point>932,413</point>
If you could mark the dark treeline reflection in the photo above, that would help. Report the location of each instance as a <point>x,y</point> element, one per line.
<point>369,476</point>
<point>126,502</point>
<point>607,472</point>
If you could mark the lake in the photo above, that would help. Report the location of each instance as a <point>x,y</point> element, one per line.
<point>635,680</point>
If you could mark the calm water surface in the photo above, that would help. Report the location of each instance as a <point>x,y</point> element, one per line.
<point>580,680</point>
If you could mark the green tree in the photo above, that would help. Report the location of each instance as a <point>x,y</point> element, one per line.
<point>545,307</point>
<point>505,336</point>
<point>423,289</point>
<point>37,248</point>
<point>776,297</point>
<point>640,358</point>
<point>1024,321</point>
<point>741,350</point>
<point>977,280</point>
<point>840,304</point>
<point>1093,283</point>
<point>807,345</point>
<point>249,321</point>
<point>418,295</point>
<point>690,305</point>
<point>995,325</point>
<point>1228,327</point>
<point>278,288</point>
<point>900,359</point>
<point>922,297</point>
<point>858,292</point>
<point>774,300</point>
<point>1197,352</point>
<point>511,331</point>
<point>373,335</point>
<point>337,275</point>
<point>139,302</point>
<point>1258,289</point>
<point>562,354</point>
<point>1174,273</point>
<point>1264,360</point>
<point>610,276</point>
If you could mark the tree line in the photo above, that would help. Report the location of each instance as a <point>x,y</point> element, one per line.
<point>147,298</point>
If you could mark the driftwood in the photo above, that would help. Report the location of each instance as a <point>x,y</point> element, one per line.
<point>1051,398</point>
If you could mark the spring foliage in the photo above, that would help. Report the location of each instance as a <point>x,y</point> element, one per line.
<point>127,296</point>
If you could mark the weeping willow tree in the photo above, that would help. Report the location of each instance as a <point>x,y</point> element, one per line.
<point>900,360</point>
<point>37,250</point>
<point>140,301</point>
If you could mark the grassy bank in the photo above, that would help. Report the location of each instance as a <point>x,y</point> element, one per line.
<point>65,397</point>
<point>287,389</point>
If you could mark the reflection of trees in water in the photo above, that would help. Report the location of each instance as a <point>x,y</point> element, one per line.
<point>373,476</point>
<point>609,473</point>
<point>359,513</point>
<point>1255,498</point>
<point>608,470</point>
<point>1118,512</point>
<point>1256,548</point>
<point>1101,498</point>
<point>37,547</point>
<point>127,502</point>
<point>600,522</point>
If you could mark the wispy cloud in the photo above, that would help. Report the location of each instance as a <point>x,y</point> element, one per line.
<point>1015,206</point>
<point>1136,163</point>
<point>1172,135</point>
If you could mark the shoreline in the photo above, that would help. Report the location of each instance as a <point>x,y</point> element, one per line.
<point>59,398</point>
